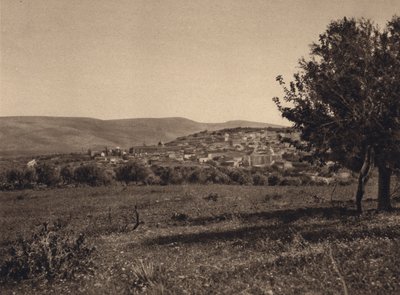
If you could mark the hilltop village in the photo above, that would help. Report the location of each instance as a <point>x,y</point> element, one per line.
<point>237,155</point>
<point>237,147</point>
<point>268,150</point>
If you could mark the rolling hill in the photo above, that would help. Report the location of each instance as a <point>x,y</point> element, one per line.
<point>44,135</point>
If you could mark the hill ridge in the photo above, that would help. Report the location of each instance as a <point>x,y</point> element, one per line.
<point>26,135</point>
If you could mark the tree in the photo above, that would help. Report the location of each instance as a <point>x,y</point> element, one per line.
<point>198,175</point>
<point>132,171</point>
<point>90,174</point>
<point>259,179</point>
<point>168,175</point>
<point>240,176</point>
<point>67,174</point>
<point>47,174</point>
<point>345,100</point>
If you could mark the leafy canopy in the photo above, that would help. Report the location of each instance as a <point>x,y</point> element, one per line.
<point>346,96</point>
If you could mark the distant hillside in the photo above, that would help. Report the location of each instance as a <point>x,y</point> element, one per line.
<point>43,135</point>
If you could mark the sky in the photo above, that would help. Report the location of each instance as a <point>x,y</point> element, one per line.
<point>209,61</point>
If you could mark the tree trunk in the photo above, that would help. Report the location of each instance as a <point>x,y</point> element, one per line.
<point>364,176</point>
<point>384,187</point>
<point>360,193</point>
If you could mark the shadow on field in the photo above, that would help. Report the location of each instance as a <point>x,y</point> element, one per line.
<point>281,232</point>
<point>285,216</point>
<point>337,229</point>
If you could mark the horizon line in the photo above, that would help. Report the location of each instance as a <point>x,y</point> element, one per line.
<point>138,118</point>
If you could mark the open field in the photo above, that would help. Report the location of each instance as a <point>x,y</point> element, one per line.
<point>238,240</point>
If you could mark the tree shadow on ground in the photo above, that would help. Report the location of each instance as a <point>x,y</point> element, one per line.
<point>285,216</point>
<point>337,226</point>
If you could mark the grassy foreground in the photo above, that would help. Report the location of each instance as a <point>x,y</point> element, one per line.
<point>215,239</point>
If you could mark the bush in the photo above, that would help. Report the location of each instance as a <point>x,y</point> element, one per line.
<point>168,175</point>
<point>212,197</point>
<point>67,174</point>
<point>30,176</point>
<point>15,176</point>
<point>273,180</point>
<point>259,179</point>
<point>153,180</point>
<point>198,175</point>
<point>109,176</point>
<point>212,163</point>
<point>19,178</point>
<point>240,177</point>
<point>305,180</point>
<point>175,176</point>
<point>217,176</point>
<point>132,171</point>
<point>90,174</point>
<point>47,254</point>
<point>47,174</point>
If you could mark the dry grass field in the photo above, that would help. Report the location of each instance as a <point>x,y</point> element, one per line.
<point>212,239</point>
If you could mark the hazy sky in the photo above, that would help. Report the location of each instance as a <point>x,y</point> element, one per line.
<point>210,61</point>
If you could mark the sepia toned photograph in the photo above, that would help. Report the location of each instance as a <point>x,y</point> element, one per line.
<point>200,147</point>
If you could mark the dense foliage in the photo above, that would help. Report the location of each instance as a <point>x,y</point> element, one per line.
<point>345,100</point>
<point>134,172</point>
<point>90,174</point>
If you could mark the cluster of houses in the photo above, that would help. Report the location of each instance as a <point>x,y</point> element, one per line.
<point>239,147</point>
<point>236,147</point>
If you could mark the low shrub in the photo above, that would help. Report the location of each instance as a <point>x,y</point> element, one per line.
<point>272,197</point>
<point>179,216</point>
<point>198,175</point>
<point>212,197</point>
<point>240,177</point>
<point>147,278</point>
<point>67,174</point>
<point>153,180</point>
<point>49,253</point>
<point>14,175</point>
<point>219,177</point>
<point>259,179</point>
<point>273,180</point>
<point>30,176</point>
<point>305,179</point>
<point>16,178</point>
<point>175,176</point>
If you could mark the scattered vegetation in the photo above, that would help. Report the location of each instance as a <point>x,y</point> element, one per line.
<point>252,239</point>
<point>212,197</point>
<point>48,254</point>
